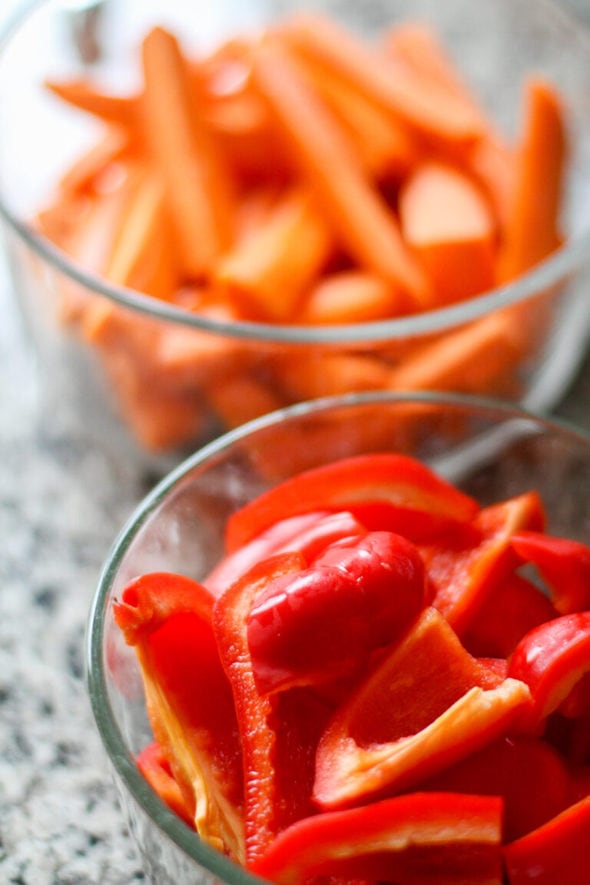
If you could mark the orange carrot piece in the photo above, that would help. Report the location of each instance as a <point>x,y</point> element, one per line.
<point>308,377</point>
<point>474,358</point>
<point>238,398</point>
<point>430,110</point>
<point>448,224</point>
<point>361,219</point>
<point>488,159</point>
<point>196,183</point>
<point>384,144</point>
<point>353,296</point>
<point>143,256</point>
<point>531,232</point>
<point>86,172</point>
<point>115,110</point>
<point>267,272</point>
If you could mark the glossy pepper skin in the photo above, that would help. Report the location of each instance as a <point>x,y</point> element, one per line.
<point>564,564</point>
<point>359,594</point>
<point>415,839</point>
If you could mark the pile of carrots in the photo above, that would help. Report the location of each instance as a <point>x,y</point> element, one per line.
<point>302,177</point>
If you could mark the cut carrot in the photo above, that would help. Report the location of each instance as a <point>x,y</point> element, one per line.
<point>428,109</point>
<point>448,223</point>
<point>268,271</point>
<point>241,397</point>
<point>362,220</point>
<point>491,163</point>
<point>310,376</point>
<point>113,109</point>
<point>471,358</point>
<point>196,184</point>
<point>352,296</point>
<point>143,255</point>
<point>384,144</point>
<point>531,232</point>
<point>86,172</point>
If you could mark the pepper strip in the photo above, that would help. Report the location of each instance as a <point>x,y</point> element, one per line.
<point>551,659</point>
<point>562,563</point>
<point>167,618</point>
<point>273,797</point>
<point>428,704</point>
<point>399,480</point>
<point>555,852</point>
<point>415,839</point>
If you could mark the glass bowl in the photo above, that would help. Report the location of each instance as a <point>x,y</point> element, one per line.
<point>146,381</point>
<point>491,450</point>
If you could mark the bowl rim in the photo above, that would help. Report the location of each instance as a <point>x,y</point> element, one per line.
<point>113,742</point>
<point>563,261</point>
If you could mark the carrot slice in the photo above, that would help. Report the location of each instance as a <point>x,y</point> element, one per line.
<point>143,255</point>
<point>385,146</point>
<point>430,110</point>
<point>360,217</point>
<point>448,223</point>
<point>471,358</point>
<point>196,184</point>
<point>352,296</point>
<point>532,227</point>
<point>84,95</point>
<point>268,271</point>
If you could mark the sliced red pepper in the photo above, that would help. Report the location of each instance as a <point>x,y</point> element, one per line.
<point>563,564</point>
<point>428,704</point>
<point>278,734</point>
<point>168,620</point>
<point>529,775</point>
<point>399,480</point>
<point>415,839</point>
<point>551,659</point>
<point>512,608</point>
<point>156,769</point>
<point>307,533</point>
<point>323,622</point>
<point>556,852</point>
<point>464,574</point>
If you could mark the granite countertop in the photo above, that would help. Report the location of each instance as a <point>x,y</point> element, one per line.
<point>61,503</point>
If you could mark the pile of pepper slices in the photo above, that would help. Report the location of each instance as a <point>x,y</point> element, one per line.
<point>382,681</point>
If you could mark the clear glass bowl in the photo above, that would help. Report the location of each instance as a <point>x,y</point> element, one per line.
<point>489,449</point>
<point>121,401</point>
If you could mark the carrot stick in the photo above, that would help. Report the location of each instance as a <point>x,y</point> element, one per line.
<point>267,272</point>
<point>473,358</point>
<point>143,256</point>
<point>531,232</point>
<point>428,109</point>
<point>85,173</point>
<point>360,217</point>
<point>304,377</point>
<point>196,184</point>
<point>448,223</point>
<point>384,144</point>
<point>238,398</point>
<point>352,296</point>
<point>113,109</point>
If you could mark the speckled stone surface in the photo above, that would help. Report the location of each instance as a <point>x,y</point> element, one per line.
<point>61,503</point>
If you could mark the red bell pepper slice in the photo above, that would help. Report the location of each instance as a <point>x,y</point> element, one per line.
<point>324,621</point>
<point>426,705</point>
<point>556,852</point>
<point>551,659</point>
<point>307,533</point>
<point>562,563</point>
<point>168,620</point>
<point>398,480</point>
<point>529,775</point>
<point>512,608</point>
<point>465,574</point>
<point>279,733</point>
<point>156,769</point>
<point>415,839</point>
